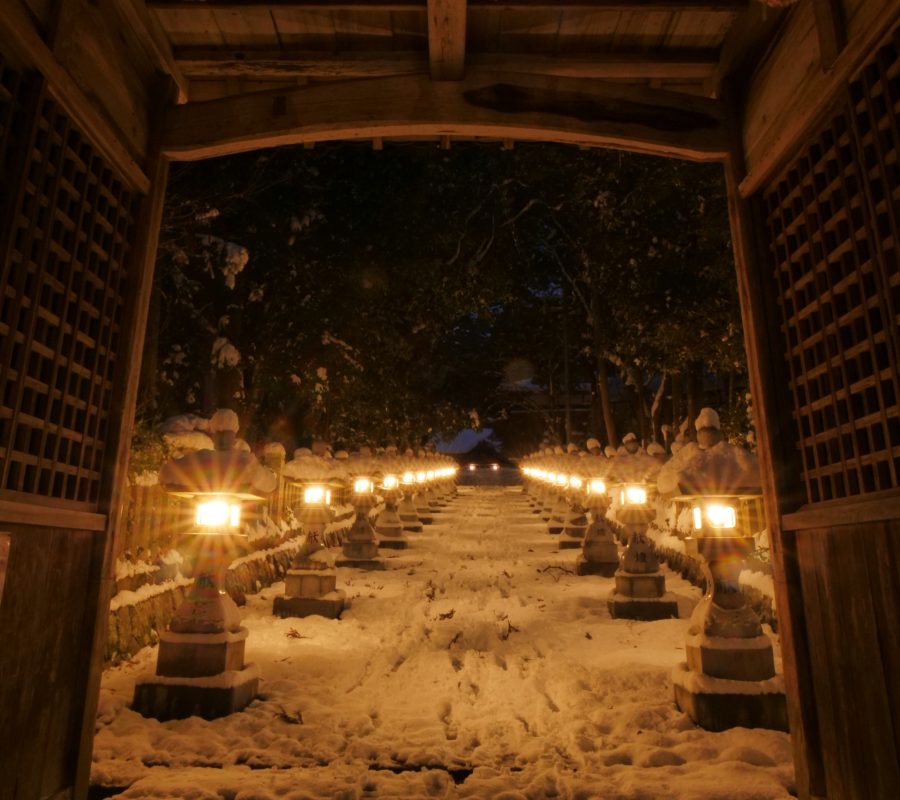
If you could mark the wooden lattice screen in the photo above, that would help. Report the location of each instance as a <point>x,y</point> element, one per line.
<point>61,301</point>
<point>833,244</point>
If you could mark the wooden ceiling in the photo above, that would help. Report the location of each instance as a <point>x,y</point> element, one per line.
<point>226,47</point>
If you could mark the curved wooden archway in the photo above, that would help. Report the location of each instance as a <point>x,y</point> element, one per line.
<point>489,105</point>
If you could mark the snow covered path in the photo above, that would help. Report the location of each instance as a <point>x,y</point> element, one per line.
<point>477,666</point>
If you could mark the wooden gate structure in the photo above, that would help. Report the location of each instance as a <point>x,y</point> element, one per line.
<point>800,104</point>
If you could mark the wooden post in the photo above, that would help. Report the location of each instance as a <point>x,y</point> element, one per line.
<point>779,465</point>
<point>143,258</point>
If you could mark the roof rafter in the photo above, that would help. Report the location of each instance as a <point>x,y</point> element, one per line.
<point>522,107</point>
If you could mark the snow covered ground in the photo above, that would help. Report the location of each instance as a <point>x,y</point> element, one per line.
<point>477,666</point>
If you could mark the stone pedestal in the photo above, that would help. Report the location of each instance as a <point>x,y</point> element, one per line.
<point>389,527</point>
<point>574,527</point>
<point>558,512</point>
<point>409,517</point>
<point>423,509</point>
<point>640,591</point>
<point>599,552</point>
<point>729,679</point>
<point>310,588</point>
<point>360,548</point>
<point>200,669</point>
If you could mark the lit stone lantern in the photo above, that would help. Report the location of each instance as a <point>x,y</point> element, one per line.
<point>560,505</point>
<point>729,679</point>
<point>406,508</point>
<point>388,524</point>
<point>640,590</point>
<point>360,548</point>
<point>599,553</point>
<point>420,496</point>
<point>310,586</point>
<point>576,522</point>
<point>200,669</point>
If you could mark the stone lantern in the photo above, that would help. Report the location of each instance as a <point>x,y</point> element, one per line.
<point>360,548</point>
<point>310,586</point>
<point>599,553</point>
<point>576,522</point>
<point>729,679</point>
<point>388,524</point>
<point>640,590</point>
<point>406,508</point>
<point>200,667</point>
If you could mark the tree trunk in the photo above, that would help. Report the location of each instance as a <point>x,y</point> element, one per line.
<point>612,437</point>
<point>567,375</point>
<point>677,402</point>
<point>695,395</point>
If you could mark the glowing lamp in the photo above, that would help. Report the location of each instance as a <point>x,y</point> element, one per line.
<point>495,467</point>
<point>429,475</point>
<point>575,482</point>
<point>218,513</point>
<point>471,468</point>
<point>317,495</point>
<point>363,486</point>
<point>633,496</point>
<point>408,478</point>
<point>390,482</point>
<point>562,480</point>
<point>597,487</point>
<point>420,477</point>
<point>717,516</point>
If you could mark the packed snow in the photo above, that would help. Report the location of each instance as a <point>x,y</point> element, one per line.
<point>477,666</point>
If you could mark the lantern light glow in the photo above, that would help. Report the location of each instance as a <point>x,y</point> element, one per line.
<point>597,486</point>
<point>315,495</point>
<point>721,516</point>
<point>218,513</point>
<point>575,482</point>
<point>362,486</point>
<point>634,495</point>
<point>390,482</point>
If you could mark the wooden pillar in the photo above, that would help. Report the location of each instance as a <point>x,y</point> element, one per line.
<point>779,465</point>
<point>127,379</point>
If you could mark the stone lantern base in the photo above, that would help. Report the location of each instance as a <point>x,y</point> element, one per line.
<point>646,609</point>
<point>718,704</point>
<point>198,674</point>
<point>310,590</point>
<point>389,528</point>
<point>599,553</point>
<point>360,555</point>
<point>640,591</point>
<point>574,528</point>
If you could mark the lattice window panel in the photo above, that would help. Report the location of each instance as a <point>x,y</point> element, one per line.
<point>61,301</point>
<point>833,222</point>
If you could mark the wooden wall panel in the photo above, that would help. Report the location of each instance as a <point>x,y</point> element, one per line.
<point>42,664</point>
<point>828,233</point>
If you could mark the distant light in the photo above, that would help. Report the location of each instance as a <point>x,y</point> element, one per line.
<point>362,486</point>
<point>575,482</point>
<point>408,478</point>
<point>390,482</point>
<point>495,467</point>
<point>420,477</point>
<point>562,480</point>
<point>597,487</point>
<point>471,468</point>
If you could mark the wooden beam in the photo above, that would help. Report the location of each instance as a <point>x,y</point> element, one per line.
<point>447,39</point>
<point>287,64</point>
<point>420,5</point>
<point>520,107</point>
<point>831,27</point>
<point>18,33</point>
<point>153,37</point>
